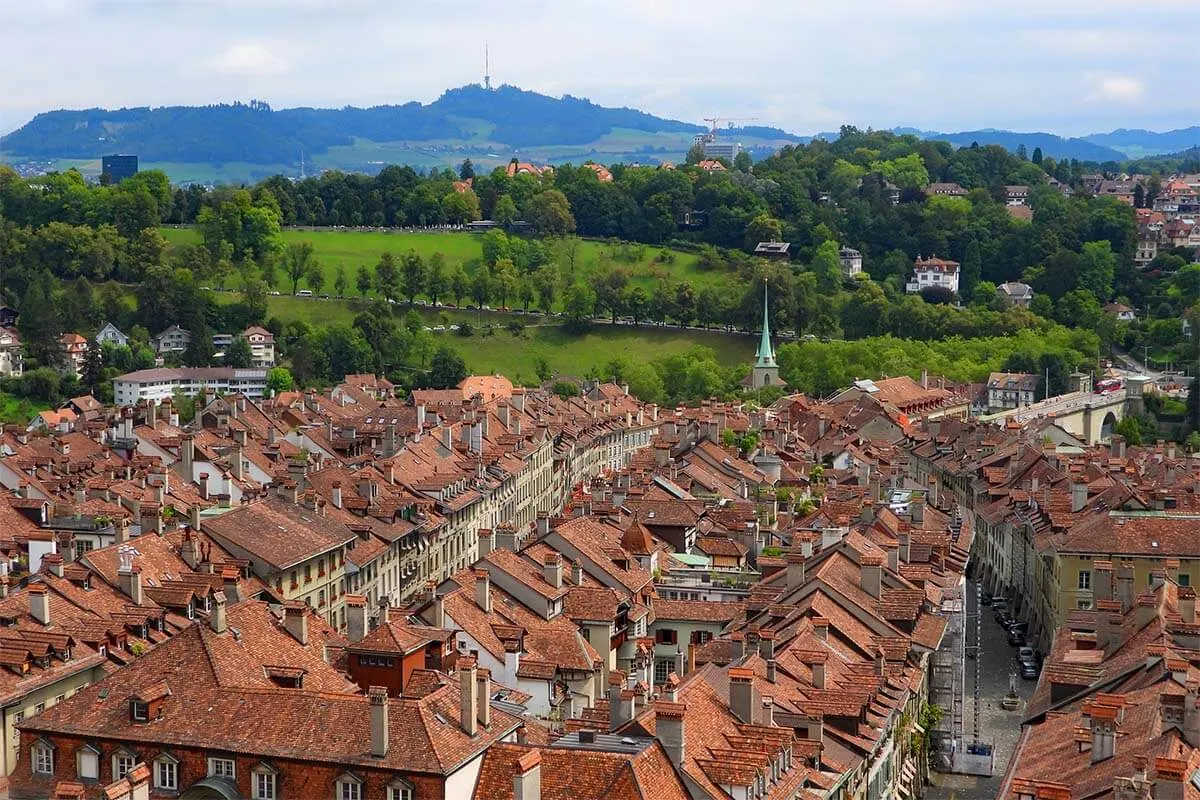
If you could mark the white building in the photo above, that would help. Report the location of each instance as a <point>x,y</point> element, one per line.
<point>932,272</point>
<point>262,346</point>
<point>111,334</point>
<point>159,384</point>
<point>173,340</point>
<point>12,362</point>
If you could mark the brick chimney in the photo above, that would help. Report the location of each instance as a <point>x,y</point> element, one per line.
<point>483,594</point>
<point>217,618</point>
<point>871,573</point>
<point>379,721</point>
<point>527,781</point>
<point>552,569</point>
<point>295,621</point>
<point>483,696</point>
<point>669,729</point>
<point>468,700</point>
<point>742,695</point>
<point>39,602</point>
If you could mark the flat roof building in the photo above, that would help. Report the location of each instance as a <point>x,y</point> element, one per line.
<point>159,384</point>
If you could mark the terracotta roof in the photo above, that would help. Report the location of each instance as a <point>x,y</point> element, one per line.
<point>278,532</point>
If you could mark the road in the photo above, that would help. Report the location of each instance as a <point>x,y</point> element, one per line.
<point>1002,728</point>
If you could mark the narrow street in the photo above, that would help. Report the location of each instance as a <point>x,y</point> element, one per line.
<point>997,660</point>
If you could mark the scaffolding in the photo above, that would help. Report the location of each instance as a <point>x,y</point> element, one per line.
<point>947,681</point>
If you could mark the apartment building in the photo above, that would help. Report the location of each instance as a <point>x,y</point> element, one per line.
<point>156,385</point>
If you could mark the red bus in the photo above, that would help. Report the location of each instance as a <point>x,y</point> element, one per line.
<point>1108,386</point>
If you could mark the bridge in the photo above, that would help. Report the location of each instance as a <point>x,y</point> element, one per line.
<point>1090,416</point>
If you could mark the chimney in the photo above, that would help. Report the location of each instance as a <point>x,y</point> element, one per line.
<point>893,558</point>
<point>669,728</point>
<point>816,663</point>
<point>203,485</point>
<point>766,645</point>
<point>1104,733</point>
<point>527,782</point>
<point>932,492</point>
<point>229,583</point>
<point>577,573</point>
<point>767,717</point>
<point>870,571</point>
<point>483,696</point>
<point>295,621</point>
<point>543,524</point>
<point>795,569</point>
<point>1079,496</point>
<point>356,617</point>
<point>468,699</point>
<point>742,695</point>
<point>337,494</point>
<point>130,577</point>
<point>1169,775</point>
<point>1102,577</point>
<point>53,563</point>
<point>379,721</point>
<point>483,595</point>
<point>1125,585</point>
<point>916,510</point>
<point>483,542</point>
<point>217,618</point>
<point>771,670</point>
<point>39,602</point>
<point>552,569</point>
<point>187,455</point>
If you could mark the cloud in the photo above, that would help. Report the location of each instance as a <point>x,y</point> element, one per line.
<point>251,59</point>
<point>1120,89</point>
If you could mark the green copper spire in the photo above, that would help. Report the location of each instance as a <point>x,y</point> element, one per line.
<point>766,355</point>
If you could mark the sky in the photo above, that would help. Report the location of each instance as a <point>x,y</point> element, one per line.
<point>1065,66</point>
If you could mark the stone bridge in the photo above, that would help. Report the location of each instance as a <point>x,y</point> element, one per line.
<point>1090,416</point>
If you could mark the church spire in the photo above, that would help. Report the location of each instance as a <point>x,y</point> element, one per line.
<point>766,355</point>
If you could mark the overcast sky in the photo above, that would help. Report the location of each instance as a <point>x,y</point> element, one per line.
<point>1066,66</point>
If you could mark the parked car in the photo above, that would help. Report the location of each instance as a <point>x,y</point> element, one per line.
<point>985,599</point>
<point>1028,670</point>
<point>1016,638</point>
<point>1002,617</point>
<point>1026,654</point>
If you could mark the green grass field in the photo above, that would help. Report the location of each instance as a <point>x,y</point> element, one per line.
<point>350,248</point>
<point>19,410</point>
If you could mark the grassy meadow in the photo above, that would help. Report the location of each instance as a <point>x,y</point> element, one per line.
<point>350,248</point>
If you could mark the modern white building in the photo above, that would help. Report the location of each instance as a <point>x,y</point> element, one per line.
<point>931,272</point>
<point>159,384</point>
<point>12,362</point>
<point>262,346</point>
<point>851,261</point>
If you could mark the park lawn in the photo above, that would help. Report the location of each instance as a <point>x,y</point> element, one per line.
<point>575,355</point>
<point>348,249</point>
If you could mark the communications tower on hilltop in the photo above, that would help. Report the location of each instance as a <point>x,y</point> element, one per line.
<point>487,78</point>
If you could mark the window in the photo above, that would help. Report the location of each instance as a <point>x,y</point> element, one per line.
<point>1185,579</point>
<point>308,573</point>
<point>43,759</point>
<point>348,790</point>
<point>1085,579</point>
<point>399,791</point>
<point>39,708</point>
<point>166,773</point>
<point>221,768</point>
<point>122,763</point>
<point>665,636</point>
<point>87,764</point>
<point>58,698</point>
<point>140,711</point>
<point>264,786</point>
<point>662,668</point>
<point>18,717</point>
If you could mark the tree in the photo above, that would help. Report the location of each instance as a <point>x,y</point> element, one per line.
<point>495,246</point>
<point>40,324</point>
<point>93,368</point>
<point>504,280</point>
<point>387,277</point>
<point>1037,156</point>
<point>297,262</point>
<point>340,284</point>
<point>763,228</point>
<point>972,269</point>
<point>1097,266</point>
<point>609,286</point>
<point>238,354</point>
<point>579,303</point>
<point>545,281</point>
<point>412,275</point>
<point>481,288</point>
<point>279,380</point>
<point>459,208</point>
<point>466,170</point>
<point>460,284</point>
<point>447,369</point>
<point>505,211</point>
<point>437,282</point>
<point>828,268</point>
<point>549,213</point>
<point>315,277</point>
<point>363,280</point>
<point>742,162</point>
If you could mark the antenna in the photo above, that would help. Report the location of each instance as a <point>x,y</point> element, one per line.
<point>487,78</point>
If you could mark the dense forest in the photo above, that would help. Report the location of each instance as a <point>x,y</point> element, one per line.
<point>68,245</point>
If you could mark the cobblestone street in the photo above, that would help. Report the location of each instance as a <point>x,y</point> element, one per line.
<point>997,660</point>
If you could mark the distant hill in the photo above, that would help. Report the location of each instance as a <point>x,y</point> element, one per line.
<point>1138,142</point>
<point>507,118</point>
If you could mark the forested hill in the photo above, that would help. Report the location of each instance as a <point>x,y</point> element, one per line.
<point>508,117</point>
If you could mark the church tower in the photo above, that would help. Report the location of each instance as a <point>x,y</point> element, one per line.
<point>765,371</point>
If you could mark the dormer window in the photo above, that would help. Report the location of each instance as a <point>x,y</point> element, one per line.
<point>43,758</point>
<point>87,763</point>
<point>349,787</point>
<point>139,710</point>
<point>123,761</point>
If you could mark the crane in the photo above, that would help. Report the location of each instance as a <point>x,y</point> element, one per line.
<point>729,122</point>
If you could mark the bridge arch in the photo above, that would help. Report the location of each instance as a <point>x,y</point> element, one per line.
<point>1108,426</point>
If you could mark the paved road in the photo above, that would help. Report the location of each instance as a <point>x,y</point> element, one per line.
<point>997,659</point>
